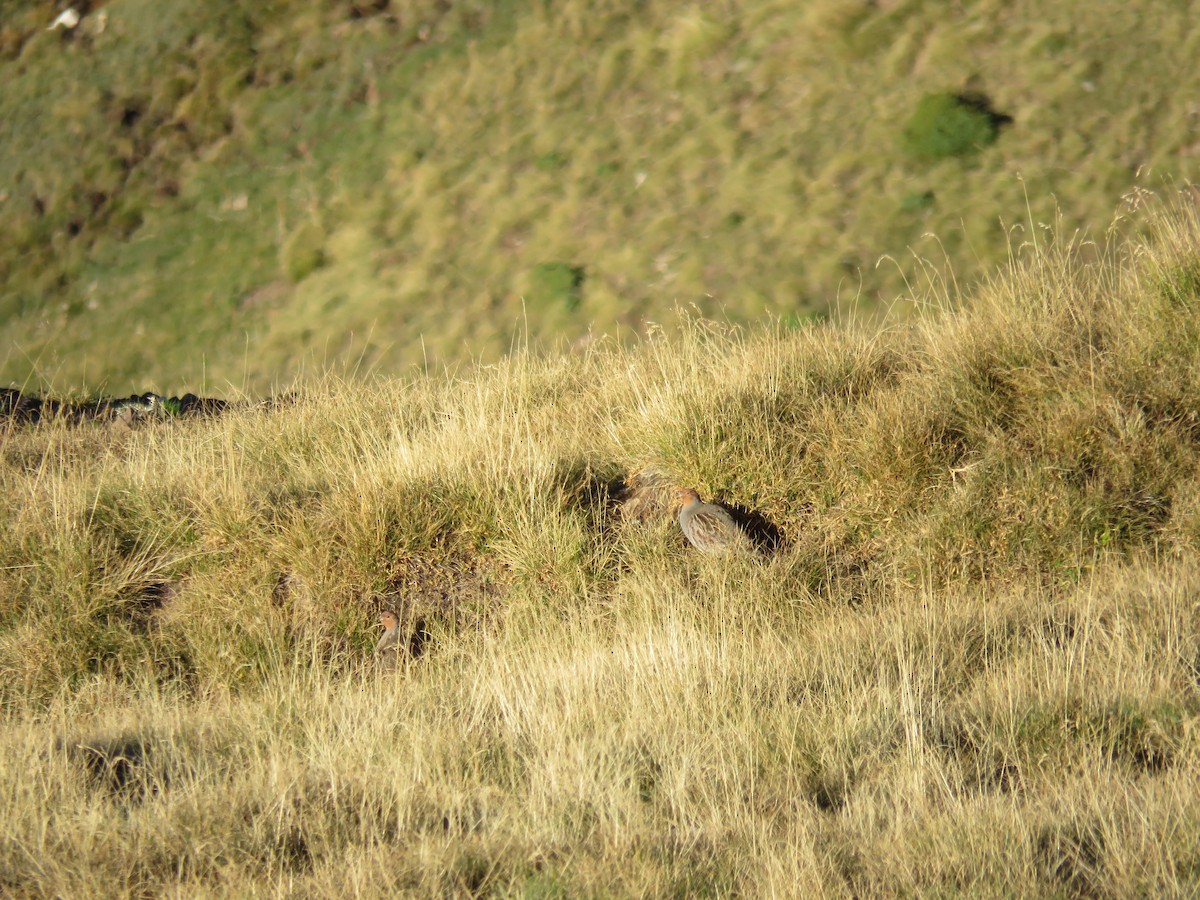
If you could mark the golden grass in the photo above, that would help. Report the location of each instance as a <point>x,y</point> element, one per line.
<point>970,668</point>
<point>686,742</point>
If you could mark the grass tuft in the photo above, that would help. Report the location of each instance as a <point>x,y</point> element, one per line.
<point>948,125</point>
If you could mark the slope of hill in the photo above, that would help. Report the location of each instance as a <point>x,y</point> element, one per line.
<point>193,196</point>
<point>966,664</point>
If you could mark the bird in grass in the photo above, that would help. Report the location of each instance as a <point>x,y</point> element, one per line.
<point>67,19</point>
<point>708,527</point>
<point>390,639</point>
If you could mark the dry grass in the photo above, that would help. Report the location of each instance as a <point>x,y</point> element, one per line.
<point>686,742</point>
<point>971,667</point>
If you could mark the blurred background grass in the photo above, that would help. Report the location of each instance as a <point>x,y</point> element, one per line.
<point>201,196</point>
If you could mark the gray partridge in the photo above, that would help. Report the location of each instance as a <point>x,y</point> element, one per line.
<point>708,527</point>
<point>390,639</point>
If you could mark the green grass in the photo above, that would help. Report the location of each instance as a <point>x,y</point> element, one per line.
<point>969,667</point>
<point>945,125</point>
<point>196,198</point>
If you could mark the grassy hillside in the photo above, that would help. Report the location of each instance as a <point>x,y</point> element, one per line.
<point>197,195</point>
<point>968,665</point>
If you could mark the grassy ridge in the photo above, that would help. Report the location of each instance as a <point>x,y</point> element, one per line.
<point>269,187</point>
<point>971,665</point>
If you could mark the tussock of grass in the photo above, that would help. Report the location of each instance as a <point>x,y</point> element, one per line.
<point>946,125</point>
<point>969,666</point>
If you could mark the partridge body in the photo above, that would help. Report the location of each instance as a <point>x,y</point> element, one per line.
<point>708,527</point>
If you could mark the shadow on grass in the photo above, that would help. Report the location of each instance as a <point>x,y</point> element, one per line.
<point>127,767</point>
<point>766,536</point>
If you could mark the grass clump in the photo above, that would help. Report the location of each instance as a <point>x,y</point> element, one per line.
<point>917,201</point>
<point>948,125</point>
<point>557,284</point>
<point>303,252</point>
<point>968,662</point>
